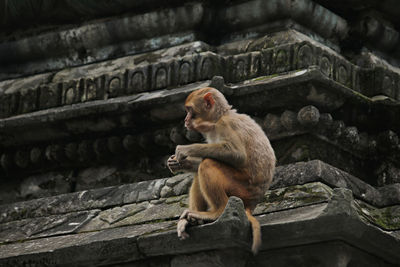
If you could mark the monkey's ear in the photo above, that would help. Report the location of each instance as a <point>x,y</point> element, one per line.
<point>209,100</point>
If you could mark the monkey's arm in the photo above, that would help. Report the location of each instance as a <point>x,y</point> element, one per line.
<point>226,152</point>
<point>230,148</point>
<point>189,164</point>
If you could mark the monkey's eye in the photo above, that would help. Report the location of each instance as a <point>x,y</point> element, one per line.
<point>193,115</point>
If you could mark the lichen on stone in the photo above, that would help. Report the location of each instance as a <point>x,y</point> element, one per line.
<point>387,218</point>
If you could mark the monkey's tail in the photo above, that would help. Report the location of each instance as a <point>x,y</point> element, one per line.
<point>256,230</point>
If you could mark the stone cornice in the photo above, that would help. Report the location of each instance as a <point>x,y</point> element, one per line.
<point>306,195</point>
<point>188,69</point>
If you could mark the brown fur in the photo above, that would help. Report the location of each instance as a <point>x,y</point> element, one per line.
<point>237,160</point>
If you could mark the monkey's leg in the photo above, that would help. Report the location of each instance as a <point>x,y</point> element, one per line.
<point>196,199</point>
<point>214,184</point>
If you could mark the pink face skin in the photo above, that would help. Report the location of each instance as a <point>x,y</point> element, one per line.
<point>188,118</point>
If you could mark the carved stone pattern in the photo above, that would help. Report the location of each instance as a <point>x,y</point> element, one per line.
<point>201,67</point>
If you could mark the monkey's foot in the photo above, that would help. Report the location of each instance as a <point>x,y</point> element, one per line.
<point>193,216</point>
<point>184,221</point>
<point>184,214</point>
<point>190,219</point>
<point>181,229</point>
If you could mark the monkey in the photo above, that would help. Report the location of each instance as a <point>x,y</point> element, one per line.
<point>237,160</point>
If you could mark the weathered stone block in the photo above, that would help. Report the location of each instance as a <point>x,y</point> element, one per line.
<point>9,104</point>
<point>138,80</point>
<point>28,101</point>
<point>325,61</point>
<point>325,254</point>
<point>162,75</point>
<point>49,96</point>
<point>282,59</point>
<point>343,72</point>
<point>93,88</point>
<point>304,55</point>
<point>238,67</point>
<point>208,65</point>
<point>293,197</point>
<point>226,231</point>
<point>45,185</point>
<point>70,92</point>
<point>115,85</point>
<point>45,226</point>
<point>96,177</point>
<point>227,257</point>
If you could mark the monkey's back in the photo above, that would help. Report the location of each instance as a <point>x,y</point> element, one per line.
<point>260,155</point>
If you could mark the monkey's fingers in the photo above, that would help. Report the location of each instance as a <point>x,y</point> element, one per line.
<point>174,168</point>
<point>173,162</point>
<point>173,165</point>
<point>172,157</point>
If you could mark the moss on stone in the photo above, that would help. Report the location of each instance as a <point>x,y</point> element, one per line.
<point>305,192</point>
<point>160,230</point>
<point>364,97</point>
<point>387,218</point>
<point>294,196</point>
<point>174,199</point>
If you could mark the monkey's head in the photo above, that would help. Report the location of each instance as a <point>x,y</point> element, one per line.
<point>205,105</point>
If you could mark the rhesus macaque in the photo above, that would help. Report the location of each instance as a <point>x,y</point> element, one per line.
<point>237,160</point>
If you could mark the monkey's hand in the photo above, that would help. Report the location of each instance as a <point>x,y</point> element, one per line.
<point>173,164</point>
<point>182,152</point>
<point>189,164</point>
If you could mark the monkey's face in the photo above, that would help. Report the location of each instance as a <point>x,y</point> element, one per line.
<point>199,108</point>
<point>193,117</point>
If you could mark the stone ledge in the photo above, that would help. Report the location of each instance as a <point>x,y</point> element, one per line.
<point>315,170</point>
<point>132,242</point>
<point>308,204</point>
<point>145,212</point>
<point>96,198</point>
<point>337,219</point>
<point>96,248</point>
<point>173,190</point>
